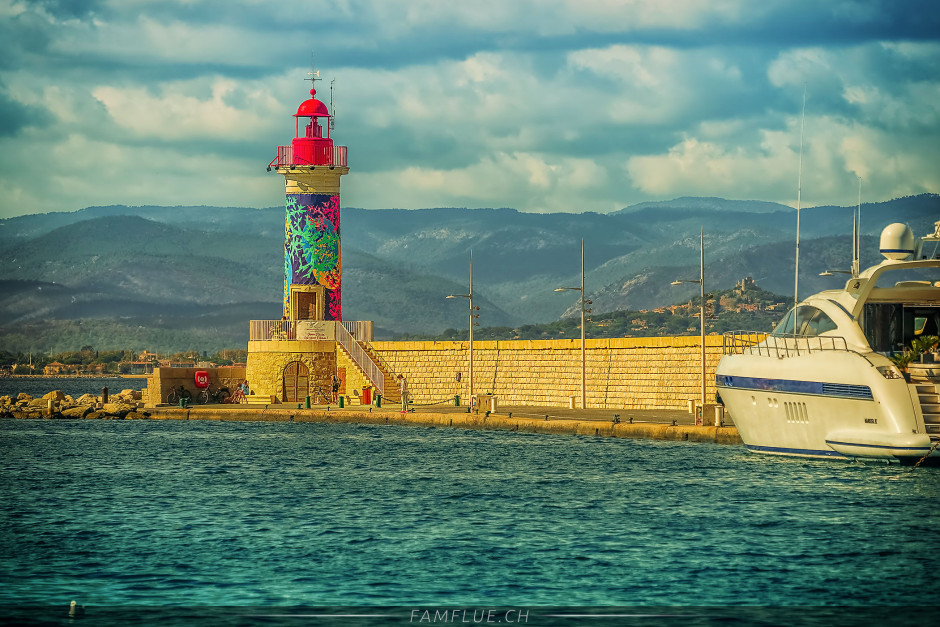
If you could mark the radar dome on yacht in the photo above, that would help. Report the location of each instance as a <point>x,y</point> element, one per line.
<point>897,241</point>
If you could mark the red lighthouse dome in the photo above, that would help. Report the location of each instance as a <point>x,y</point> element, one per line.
<point>312,108</point>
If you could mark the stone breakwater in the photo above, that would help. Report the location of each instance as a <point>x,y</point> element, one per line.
<point>125,405</point>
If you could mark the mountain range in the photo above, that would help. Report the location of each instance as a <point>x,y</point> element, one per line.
<point>174,278</point>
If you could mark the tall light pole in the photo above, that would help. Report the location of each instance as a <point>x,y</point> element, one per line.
<point>473,317</point>
<point>701,282</point>
<point>583,310</point>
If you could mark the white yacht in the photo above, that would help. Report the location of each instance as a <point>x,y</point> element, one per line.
<point>822,384</point>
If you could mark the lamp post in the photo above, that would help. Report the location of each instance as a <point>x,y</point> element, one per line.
<point>473,316</point>
<point>701,282</point>
<point>583,310</point>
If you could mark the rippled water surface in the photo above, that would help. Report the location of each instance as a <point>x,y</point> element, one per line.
<point>250,513</point>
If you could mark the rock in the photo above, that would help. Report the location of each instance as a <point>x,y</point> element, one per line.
<point>6,400</point>
<point>119,409</point>
<point>134,415</point>
<point>77,412</point>
<point>55,395</point>
<point>131,395</point>
<point>87,399</point>
<point>23,396</point>
<point>98,415</point>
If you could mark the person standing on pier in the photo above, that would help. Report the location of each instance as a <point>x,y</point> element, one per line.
<point>403,388</point>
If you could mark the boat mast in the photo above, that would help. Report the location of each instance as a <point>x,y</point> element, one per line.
<point>799,191</point>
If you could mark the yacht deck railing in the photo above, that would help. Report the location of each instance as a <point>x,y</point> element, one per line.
<point>780,346</point>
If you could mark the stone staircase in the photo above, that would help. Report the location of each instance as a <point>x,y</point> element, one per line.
<point>356,378</point>
<point>391,381</point>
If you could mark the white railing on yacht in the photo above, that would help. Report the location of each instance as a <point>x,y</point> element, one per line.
<point>265,330</point>
<point>361,357</point>
<point>780,346</point>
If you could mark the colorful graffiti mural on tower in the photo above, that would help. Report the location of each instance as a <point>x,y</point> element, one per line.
<point>312,250</point>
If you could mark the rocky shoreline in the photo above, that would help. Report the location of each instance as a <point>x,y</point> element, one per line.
<point>125,405</point>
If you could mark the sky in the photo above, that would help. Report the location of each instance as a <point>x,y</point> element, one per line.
<point>537,105</point>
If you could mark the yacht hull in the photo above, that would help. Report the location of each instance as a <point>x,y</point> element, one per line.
<point>830,404</point>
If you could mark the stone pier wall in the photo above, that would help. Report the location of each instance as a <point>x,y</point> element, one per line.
<point>637,373</point>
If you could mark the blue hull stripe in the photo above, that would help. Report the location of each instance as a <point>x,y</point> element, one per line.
<point>882,446</point>
<point>814,388</point>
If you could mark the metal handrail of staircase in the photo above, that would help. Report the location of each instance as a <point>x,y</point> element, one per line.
<point>361,358</point>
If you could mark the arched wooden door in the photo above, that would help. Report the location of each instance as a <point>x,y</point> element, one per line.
<point>296,376</point>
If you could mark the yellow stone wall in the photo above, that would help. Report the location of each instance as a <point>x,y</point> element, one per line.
<point>622,373</point>
<point>165,379</point>
<point>267,360</point>
<point>630,373</point>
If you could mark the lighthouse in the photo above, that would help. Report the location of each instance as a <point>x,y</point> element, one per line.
<point>312,167</point>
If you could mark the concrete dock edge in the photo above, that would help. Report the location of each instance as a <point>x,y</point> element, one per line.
<point>496,422</point>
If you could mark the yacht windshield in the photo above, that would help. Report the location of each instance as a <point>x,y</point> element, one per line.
<point>804,321</point>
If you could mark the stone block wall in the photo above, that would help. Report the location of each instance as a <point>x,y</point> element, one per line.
<point>629,373</point>
<point>165,379</point>
<point>267,360</point>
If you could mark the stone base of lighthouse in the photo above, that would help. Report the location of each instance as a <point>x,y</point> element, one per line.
<point>288,371</point>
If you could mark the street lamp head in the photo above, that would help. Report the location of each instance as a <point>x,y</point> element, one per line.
<point>825,273</point>
<point>673,283</point>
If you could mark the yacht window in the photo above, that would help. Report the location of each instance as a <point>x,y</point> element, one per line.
<point>814,322</point>
<point>806,322</point>
<point>785,326</point>
<point>891,327</point>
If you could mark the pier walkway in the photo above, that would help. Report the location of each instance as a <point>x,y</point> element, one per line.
<point>624,423</point>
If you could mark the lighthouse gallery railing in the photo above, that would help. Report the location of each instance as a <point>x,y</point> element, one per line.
<point>324,155</point>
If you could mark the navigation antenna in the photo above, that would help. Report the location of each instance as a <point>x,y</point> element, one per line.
<point>857,230</point>
<point>332,108</point>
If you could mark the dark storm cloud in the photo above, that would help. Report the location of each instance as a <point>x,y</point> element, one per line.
<point>64,9</point>
<point>15,116</point>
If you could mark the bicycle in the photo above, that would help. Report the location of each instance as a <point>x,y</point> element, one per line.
<point>319,397</point>
<point>207,394</point>
<point>177,394</point>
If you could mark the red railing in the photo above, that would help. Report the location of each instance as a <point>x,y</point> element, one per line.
<point>326,155</point>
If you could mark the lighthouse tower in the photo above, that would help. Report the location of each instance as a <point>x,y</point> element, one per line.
<point>312,167</point>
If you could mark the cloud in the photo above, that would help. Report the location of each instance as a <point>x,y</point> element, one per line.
<point>231,110</point>
<point>535,104</point>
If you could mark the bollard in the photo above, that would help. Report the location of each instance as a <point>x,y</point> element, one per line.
<point>182,402</point>
<point>378,400</point>
<point>456,400</point>
<point>104,395</point>
<point>340,402</point>
<point>308,402</point>
<point>50,406</point>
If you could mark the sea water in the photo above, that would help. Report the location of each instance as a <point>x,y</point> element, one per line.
<point>267,515</point>
<point>72,386</point>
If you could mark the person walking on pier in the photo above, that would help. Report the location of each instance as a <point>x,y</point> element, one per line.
<point>403,388</point>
